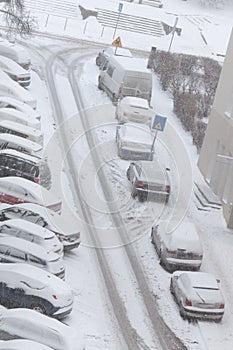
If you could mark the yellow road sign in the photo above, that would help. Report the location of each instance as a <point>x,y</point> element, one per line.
<point>117,42</point>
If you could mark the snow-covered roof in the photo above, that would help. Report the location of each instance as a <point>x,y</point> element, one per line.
<point>21,128</point>
<point>13,66</point>
<point>202,280</point>
<point>22,344</point>
<point>135,101</point>
<point>151,171</point>
<point>7,111</point>
<point>132,64</point>
<point>21,141</point>
<point>21,155</point>
<point>28,227</point>
<point>20,105</point>
<point>22,53</point>
<point>138,133</point>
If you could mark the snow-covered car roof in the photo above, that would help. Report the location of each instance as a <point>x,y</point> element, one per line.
<point>35,273</point>
<point>29,227</point>
<point>21,51</point>
<point>12,65</point>
<point>28,247</point>
<point>5,112</point>
<point>20,105</point>
<point>17,321</point>
<point>21,141</point>
<point>151,171</point>
<point>138,133</point>
<point>135,102</point>
<point>133,64</point>
<point>21,155</point>
<point>21,128</point>
<point>201,280</point>
<point>22,344</point>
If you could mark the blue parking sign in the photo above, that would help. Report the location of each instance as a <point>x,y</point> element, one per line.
<point>120,6</point>
<point>159,123</point>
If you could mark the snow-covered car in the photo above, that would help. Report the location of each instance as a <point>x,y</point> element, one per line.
<point>14,190</point>
<point>33,233</point>
<point>134,141</point>
<point>8,113</point>
<point>22,344</point>
<point>134,109</point>
<point>20,144</point>
<point>14,163</point>
<point>15,52</point>
<point>10,88</point>
<point>32,325</point>
<point>149,181</point>
<point>198,295</point>
<point>178,249</point>
<point>27,286</point>
<point>17,250</point>
<point>27,132</point>
<point>69,235</point>
<point>6,101</point>
<point>15,71</point>
<point>102,58</point>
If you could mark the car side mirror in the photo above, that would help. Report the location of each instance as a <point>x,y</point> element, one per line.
<point>168,169</point>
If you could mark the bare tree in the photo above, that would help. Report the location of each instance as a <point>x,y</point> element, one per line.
<point>18,20</point>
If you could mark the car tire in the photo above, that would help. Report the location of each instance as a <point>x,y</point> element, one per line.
<point>141,197</point>
<point>127,174</point>
<point>100,85</point>
<point>171,288</point>
<point>152,237</point>
<point>166,198</point>
<point>97,61</point>
<point>182,312</point>
<point>39,308</point>
<point>114,99</point>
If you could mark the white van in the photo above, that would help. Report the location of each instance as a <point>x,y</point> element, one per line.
<point>19,117</point>
<point>6,101</point>
<point>33,233</point>
<point>17,250</point>
<point>15,71</point>
<point>9,127</point>
<point>20,144</point>
<point>126,76</point>
<point>16,52</point>
<point>10,88</point>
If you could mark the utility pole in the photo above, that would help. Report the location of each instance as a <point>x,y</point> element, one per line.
<point>173,32</point>
<point>120,6</point>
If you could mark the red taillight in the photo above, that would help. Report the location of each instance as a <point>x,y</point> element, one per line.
<point>221,306</point>
<point>120,91</point>
<point>54,296</point>
<point>171,251</point>
<point>37,180</point>
<point>188,302</point>
<point>139,183</point>
<point>167,188</point>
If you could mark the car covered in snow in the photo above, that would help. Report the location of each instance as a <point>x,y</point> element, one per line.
<point>32,325</point>
<point>27,286</point>
<point>20,144</point>
<point>27,132</point>
<point>15,52</point>
<point>69,235</point>
<point>149,181</point>
<point>22,344</point>
<point>14,190</point>
<point>198,295</point>
<point>33,233</point>
<point>8,113</point>
<point>134,141</point>
<point>134,109</point>
<point>179,249</point>
<point>17,250</point>
<point>15,71</point>
<point>10,102</point>
<point>103,56</point>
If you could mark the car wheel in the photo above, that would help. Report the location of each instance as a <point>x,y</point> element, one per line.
<point>100,86</point>
<point>39,308</point>
<point>97,61</point>
<point>182,312</point>
<point>127,174</point>
<point>152,237</point>
<point>114,99</point>
<point>166,198</point>
<point>141,197</point>
<point>171,288</point>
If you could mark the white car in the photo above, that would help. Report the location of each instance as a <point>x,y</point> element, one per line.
<point>134,141</point>
<point>16,52</point>
<point>24,285</point>
<point>134,109</point>
<point>15,71</point>
<point>6,101</point>
<point>22,344</point>
<point>179,249</point>
<point>14,190</point>
<point>69,234</point>
<point>10,88</point>
<point>198,295</point>
<point>29,324</point>
<point>20,144</point>
<point>19,117</point>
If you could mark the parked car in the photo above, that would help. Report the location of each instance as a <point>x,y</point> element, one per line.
<point>15,52</point>
<point>179,249</point>
<point>134,109</point>
<point>17,250</point>
<point>103,56</point>
<point>149,181</point>
<point>14,190</point>
<point>126,76</point>
<point>14,163</point>
<point>15,71</point>
<point>8,113</point>
<point>31,325</point>
<point>27,286</point>
<point>69,235</point>
<point>6,101</point>
<point>10,88</point>
<point>22,344</point>
<point>198,295</point>
<point>10,127</point>
<point>20,144</point>
<point>33,233</point>
<point>134,142</point>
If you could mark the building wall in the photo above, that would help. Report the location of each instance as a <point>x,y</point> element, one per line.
<point>219,139</point>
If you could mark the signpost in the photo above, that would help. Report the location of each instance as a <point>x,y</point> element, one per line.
<point>120,7</point>
<point>173,32</point>
<point>158,124</point>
